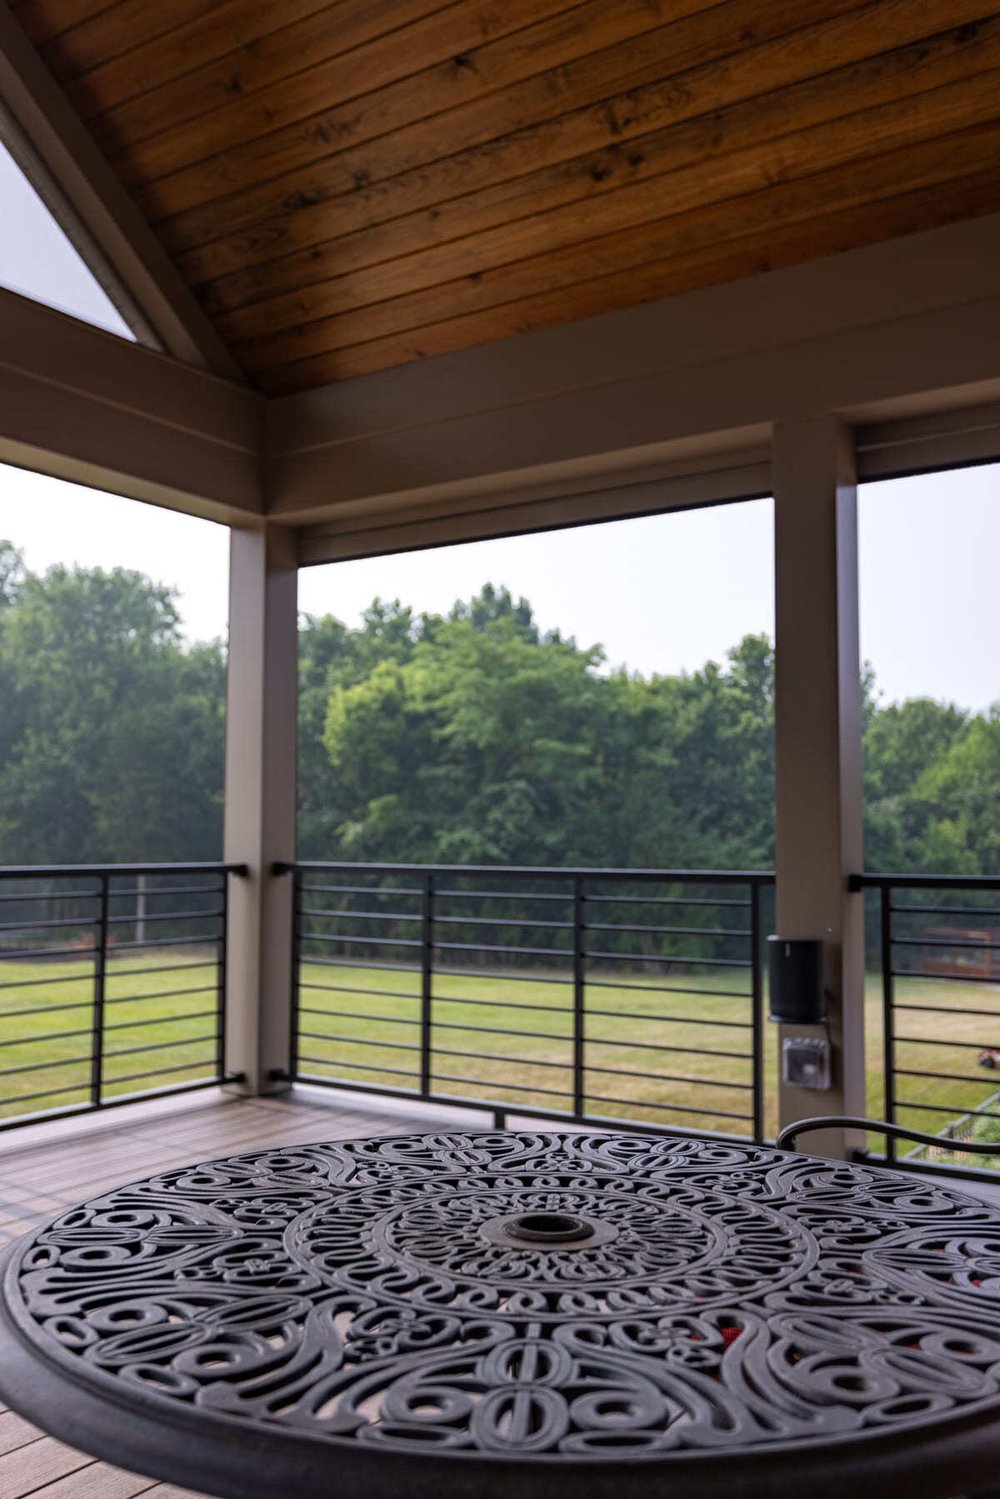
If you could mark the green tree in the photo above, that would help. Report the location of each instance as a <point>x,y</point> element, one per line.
<point>903,743</point>
<point>112,733</point>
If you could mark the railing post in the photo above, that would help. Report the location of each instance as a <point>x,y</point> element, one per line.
<point>296,980</point>
<point>100,984</point>
<point>888,1017</point>
<point>579,996</point>
<point>220,1019</point>
<point>426,980</point>
<point>757,1017</point>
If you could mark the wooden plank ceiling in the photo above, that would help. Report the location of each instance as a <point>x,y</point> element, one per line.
<point>349,185</point>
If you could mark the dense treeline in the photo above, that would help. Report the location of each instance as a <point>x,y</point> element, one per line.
<point>111,730</point>
<point>467,738</point>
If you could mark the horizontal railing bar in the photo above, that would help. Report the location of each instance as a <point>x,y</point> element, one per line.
<point>492,1056</point>
<point>196,1085</point>
<point>359,1066</point>
<point>37,1040</point>
<point>135,1077</point>
<point>667,1077</point>
<point>502,1030</point>
<point>129,918</point>
<point>356,963</point>
<point>667,931</point>
<point>539,872</point>
<point>936,1108</point>
<point>39,897</point>
<point>351,1085</point>
<point>357,989</point>
<point>357,1040</point>
<point>515,921</point>
<point>945,911</point>
<point>935,1041</point>
<point>533,952</point>
<point>944,1077</point>
<point>133,1051</point>
<point>128,1025</point>
<point>359,915</point>
<point>356,939</point>
<point>76,1004</point>
<point>491,974</point>
<point>46,1093</point>
<point>81,1061</point>
<point>56,978</point>
<point>946,1010</point>
<point>24,954</point>
<point>939,978</point>
<point>156,892</point>
<point>79,871</point>
<point>694,1051</point>
<point>924,881</point>
<point>525,895</point>
<point>945,942</point>
<point>359,1015</point>
<point>668,989</point>
<point>72,1111</point>
<point>208,939</point>
<point>141,999</point>
<point>126,973</point>
<point>47,923</point>
<point>666,900</point>
<point>487,1082</point>
<point>492,1004</point>
<point>359,889</point>
<point>733,1025</point>
<point>529,1111</point>
<point>636,957</point>
<point>668,1108</point>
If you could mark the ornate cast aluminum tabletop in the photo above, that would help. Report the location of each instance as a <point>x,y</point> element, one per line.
<point>447,1316</point>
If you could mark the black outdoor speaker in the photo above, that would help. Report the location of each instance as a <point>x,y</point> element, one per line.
<point>795,968</point>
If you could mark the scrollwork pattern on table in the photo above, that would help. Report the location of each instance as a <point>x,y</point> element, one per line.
<point>729,1297</point>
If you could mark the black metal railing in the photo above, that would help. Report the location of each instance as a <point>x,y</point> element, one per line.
<point>632,996</point>
<point>939,947</point>
<point>112,984</point>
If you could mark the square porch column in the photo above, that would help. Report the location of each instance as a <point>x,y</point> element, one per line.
<point>260,801</point>
<point>818,815</point>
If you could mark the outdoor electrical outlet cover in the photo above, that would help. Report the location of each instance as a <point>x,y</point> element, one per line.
<point>805,1062</point>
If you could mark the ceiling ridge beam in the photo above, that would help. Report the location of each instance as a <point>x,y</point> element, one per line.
<point>64,165</point>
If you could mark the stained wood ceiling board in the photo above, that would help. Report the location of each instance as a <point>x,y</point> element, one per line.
<point>214,112</point>
<point>89,202</point>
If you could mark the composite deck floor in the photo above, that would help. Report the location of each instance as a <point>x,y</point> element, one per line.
<point>60,1167</point>
<point>47,1169</point>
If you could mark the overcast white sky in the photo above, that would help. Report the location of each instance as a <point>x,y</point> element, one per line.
<point>661,594</point>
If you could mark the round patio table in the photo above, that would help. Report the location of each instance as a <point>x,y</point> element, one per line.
<point>487,1315</point>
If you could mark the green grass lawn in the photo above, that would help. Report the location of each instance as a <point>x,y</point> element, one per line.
<point>690,1069</point>
<point>159,1015</point>
<point>670,1051</point>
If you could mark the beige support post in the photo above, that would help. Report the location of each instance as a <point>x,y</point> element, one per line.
<point>260,801</point>
<point>818,746</point>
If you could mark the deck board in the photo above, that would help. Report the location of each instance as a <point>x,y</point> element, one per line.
<point>53,1172</point>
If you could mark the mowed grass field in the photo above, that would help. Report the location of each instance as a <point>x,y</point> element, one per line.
<point>671,1051</point>
<point>674,1051</point>
<point>160,1026</point>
